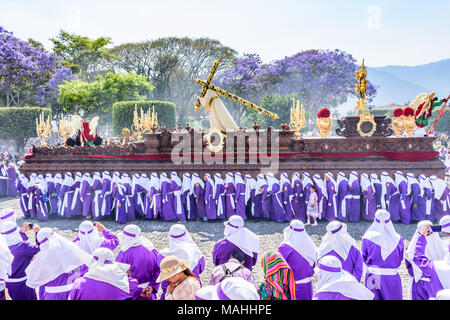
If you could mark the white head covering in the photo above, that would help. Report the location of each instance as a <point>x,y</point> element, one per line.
<point>49,177</point>
<point>131,236</point>
<point>374,179</point>
<point>23,178</point>
<point>229,178</point>
<point>271,181</point>
<point>295,176</point>
<point>238,178</point>
<point>7,214</point>
<point>174,177</point>
<point>240,236</point>
<point>58,178</point>
<point>126,179</point>
<point>341,177</point>
<point>144,181</point>
<point>217,181</point>
<point>260,182</point>
<point>155,182</point>
<point>296,237</point>
<point>103,268</point>
<point>443,295</point>
<point>250,184</point>
<point>411,179</point>
<point>68,180</point>
<point>115,178</point>
<point>439,187</point>
<point>211,181</point>
<point>385,179</point>
<point>106,175</point>
<point>425,183</point>
<point>330,176</point>
<point>306,179</point>
<point>352,177</point>
<point>336,239</point>
<point>284,179</point>
<point>96,176</point>
<point>57,256</point>
<point>196,179</point>
<point>78,177</point>
<point>11,233</point>
<point>400,178</point>
<point>182,246</point>
<point>6,259</point>
<point>186,183</point>
<point>89,238</point>
<point>365,182</point>
<point>33,178</point>
<point>134,181</point>
<point>41,183</point>
<point>382,233</point>
<point>321,184</point>
<point>445,223</point>
<point>332,278</point>
<point>87,177</point>
<point>233,288</point>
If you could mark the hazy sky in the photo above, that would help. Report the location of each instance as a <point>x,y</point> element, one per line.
<point>384,32</point>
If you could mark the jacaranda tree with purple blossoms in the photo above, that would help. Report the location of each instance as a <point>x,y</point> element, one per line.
<point>29,75</point>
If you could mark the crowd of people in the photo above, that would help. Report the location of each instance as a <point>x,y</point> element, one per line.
<point>305,197</point>
<point>86,268</point>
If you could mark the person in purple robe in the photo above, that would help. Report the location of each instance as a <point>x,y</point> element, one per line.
<point>31,194</point>
<point>210,202</point>
<point>141,255</point>
<point>183,247</point>
<point>237,238</point>
<point>106,195</point>
<point>175,188</point>
<point>322,195</point>
<point>250,189</point>
<point>198,191</point>
<point>57,182</point>
<point>88,238</point>
<point>287,195</point>
<point>437,271</point>
<point>219,195</point>
<point>426,197</point>
<point>230,195</point>
<point>23,253</point>
<point>377,189</point>
<point>338,242</point>
<point>354,191</point>
<point>3,181</point>
<point>300,253</point>
<point>96,191</point>
<point>262,198</point>
<point>22,184</point>
<point>11,173</point>
<point>153,198</point>
<point>335,283</point>
<point>76,208</point>
<point>167,209</point>
<point>86,194</point>
<point>66,195</point>
<point>240,195</point>
<point>6,259</point>
<point>419,284</point>
<point>382,251</point>
<point>332,202</point>
<point>369,204</point>
<point>137,200</point>
<point>298,202</point>
<point>343,197</point>
<point>306,183</point>
<point>404,190</point>
<point>417,206</point>
<point>129,203</point>
<point>106,280</point>
<point>119,199</point>
<point>233,268</point>
<point>40,192</point>
<point>277,213</point>
<point>187,197</point>
<point>390,198</point>
<point>141,187</point>
<point>441,197</point>
<point>52,195</point>
<point>56,266</point>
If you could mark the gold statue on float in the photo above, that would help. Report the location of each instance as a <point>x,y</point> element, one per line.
<point>298,119</point>
<point>366,125</point>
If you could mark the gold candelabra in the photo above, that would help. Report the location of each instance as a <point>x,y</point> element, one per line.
<point>43,129</point>
<point>64,128</point>
<point>144,123</point>
<point>366,126</point>
<point>298,119</point>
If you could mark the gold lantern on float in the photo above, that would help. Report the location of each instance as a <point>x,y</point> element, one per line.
<point>366,126</point>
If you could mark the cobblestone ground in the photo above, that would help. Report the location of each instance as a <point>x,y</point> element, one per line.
<point>205,234</point>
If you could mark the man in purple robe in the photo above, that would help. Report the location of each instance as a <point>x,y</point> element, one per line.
<point>40,192</point>
<point>141,188</point>
<point>230,195</point>
<point>3,181</point>
<point>219,195</point>
<point>106,195</point>
<point>262,198</point>
<point>31,194</point>
<point>426,198</point>
<point>237,238</point>
<point>86,194</point>
<point>136,191</point>
<point>11,173</point>
<point>129,203</point>
<point>66,195</point>
<point>52,195</point>
<point>141,255</point>
<point>300,253</point>
<point>22,185</point>
<point>23,253</point>
<point>369,205</point>
<point>76,208</point>
<point>119,199</point>
<point>287,196</point>
<point>382,251</point>
<point>57,182</point>
<point>210,202</point>
<point>322,196</point>
<point>187,197</point>
<point>354,191</point>
<point>390,198</point>
<point>417,205</point>
<point>250,189</point>
<point>376,183</point>
<point>106,280</point>
<point>175,189</point>
<point>276,210</point>
<point>240,195</point>
<point>338,243</point>
<point>89,240</point>
<point>332,202</point>
<point>343,197</point>
<point>405,201</point>
<point>153,198</point>
<point>167,210</point>
<point>298,201</point>
<point>441,197</point>
<point>96,190</point>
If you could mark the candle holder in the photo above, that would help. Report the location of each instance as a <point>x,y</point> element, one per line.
<point>64,129</point>
<point>298,118</point>
<point>144,123</point>
<point>43,129</point>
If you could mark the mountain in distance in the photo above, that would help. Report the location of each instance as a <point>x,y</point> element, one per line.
<point>401,84</point>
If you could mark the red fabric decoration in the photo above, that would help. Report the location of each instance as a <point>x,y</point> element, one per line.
<point>324,113</point>
<point>84,135</point>
<point>398,112</point>
<point>30,150</point>
<point>408,112</point>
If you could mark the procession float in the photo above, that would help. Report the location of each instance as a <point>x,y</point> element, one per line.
<point>363,143</point>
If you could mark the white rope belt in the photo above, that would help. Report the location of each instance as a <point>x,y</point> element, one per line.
<point>15,280</point>
<point>58,289</point>
<point>356,197</point>
<point>305,280</point>
<point>143,285</point>
<point>382,271</point>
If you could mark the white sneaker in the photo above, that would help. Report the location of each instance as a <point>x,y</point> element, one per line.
<point>314,224</point>
<point>308,223</point>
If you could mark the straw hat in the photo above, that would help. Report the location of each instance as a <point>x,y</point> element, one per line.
<point>170,266</point>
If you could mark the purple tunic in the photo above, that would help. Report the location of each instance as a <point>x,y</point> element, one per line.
<point>302,270</point>
<point>77,205</point>
<point>62,280</point>
<point>90,289</point>
<point>12,178</point>
<point>418,204</point>
<point>119,204</point>
<point>385,287</point>
<point>153,204</point>
<point>276,210</point>
<point>129,203</point>
<point>321,203</point>
<point>3,183</point>
<point>288,197</point>
<point>220,201</point>
<point>199,194</point>
<point>138,200</point>
<point>393,201</point>
<point>405,203</point>
<point>298,203</point>
<point>52,196</point>
<point>378,191</point>
<point>66,196</point>
<point>23,199</point>
<point>332,202</point>
<point>222,252</point>
<point>330,296</point>
<point>86,198</point>
<point>42,213</point>
<point>354,210</point>
<point>144,267</point>
<point>343,201</point>
<point>176,196</point>
<point>23,253</point>
<point>32,206</point>
<point>353,264</point>
<point>106,198</point>
<point>240,200</point>
<point>210,202</point>
<point>167,212</point>
<point>442,205</point>
<point>96,190</point>
<point>369,205</point>
<point>230,202</point>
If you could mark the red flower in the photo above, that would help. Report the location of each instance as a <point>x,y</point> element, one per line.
<point>324,113</point>
<point>398,112</point>
<point>30,150</point>
<point>408,112</point>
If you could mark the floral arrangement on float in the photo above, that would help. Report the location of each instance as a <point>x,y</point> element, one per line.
<point>324,122</point>
<point>397,122</point>
<point>409,121</point>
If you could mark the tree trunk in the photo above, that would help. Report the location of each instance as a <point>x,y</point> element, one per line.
<point>20,145</point>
